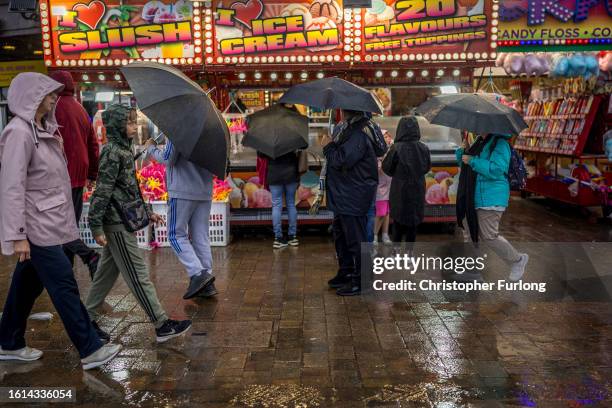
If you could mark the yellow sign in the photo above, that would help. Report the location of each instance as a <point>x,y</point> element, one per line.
<point>9,70</point>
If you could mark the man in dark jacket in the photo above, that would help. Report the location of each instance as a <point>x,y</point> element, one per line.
<point>352,179</point>
<point>81,148</point>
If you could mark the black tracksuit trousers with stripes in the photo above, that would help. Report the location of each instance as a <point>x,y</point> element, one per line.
<point>122,254</point>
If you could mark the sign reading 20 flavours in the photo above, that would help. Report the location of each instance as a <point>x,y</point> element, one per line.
<point>112,29</point>
<point>427,26</point>
<point>278,27</point>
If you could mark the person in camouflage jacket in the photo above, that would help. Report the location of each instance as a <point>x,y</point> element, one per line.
<point>117,174</point>
<point>117,181</point>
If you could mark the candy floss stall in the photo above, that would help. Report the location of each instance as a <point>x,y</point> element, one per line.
<point>246,53</point>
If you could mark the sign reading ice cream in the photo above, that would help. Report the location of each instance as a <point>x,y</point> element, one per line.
<point>122,29</point>
<point>277,27</point>
<point>427,26</point>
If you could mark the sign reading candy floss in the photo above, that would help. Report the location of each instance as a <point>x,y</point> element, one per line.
<point>542,23</point>
<point>134,29</point>
<point>278,27</point>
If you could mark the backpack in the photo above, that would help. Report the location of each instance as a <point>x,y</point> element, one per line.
<point>517,172</point>
<point>377,139</point>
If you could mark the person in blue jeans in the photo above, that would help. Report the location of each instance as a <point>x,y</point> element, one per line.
<point>283,178</point>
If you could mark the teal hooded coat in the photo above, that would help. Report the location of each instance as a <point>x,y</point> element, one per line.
<point>492,185</point>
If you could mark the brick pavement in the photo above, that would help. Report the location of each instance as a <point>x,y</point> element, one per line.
<point>275,336</point>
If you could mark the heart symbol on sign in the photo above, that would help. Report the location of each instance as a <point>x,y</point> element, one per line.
<point>246,12</point>
<point>90,14</point>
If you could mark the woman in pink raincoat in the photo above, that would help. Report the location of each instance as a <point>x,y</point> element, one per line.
<point>36,219</point>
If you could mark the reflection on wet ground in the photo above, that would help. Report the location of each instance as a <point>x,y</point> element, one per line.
<point>275,336</point>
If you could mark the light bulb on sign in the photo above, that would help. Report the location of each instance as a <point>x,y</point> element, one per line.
<point>394,74</point>
<point>288,76</point>
<point>242,76</point>
<point>410,74</point>
<point>378,74</point>
<point>320,75</point>
<point>257,75</point>
<point>274,76</point>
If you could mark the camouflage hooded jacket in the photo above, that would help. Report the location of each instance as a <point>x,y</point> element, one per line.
<point>116,176</point>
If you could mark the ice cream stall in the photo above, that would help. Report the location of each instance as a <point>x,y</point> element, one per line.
<point>245,53</point>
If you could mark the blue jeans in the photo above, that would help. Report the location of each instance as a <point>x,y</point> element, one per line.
<point>370,224</point>
<point>277,191</point>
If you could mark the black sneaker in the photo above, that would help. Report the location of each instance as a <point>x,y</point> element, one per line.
<point>349,289</point>
<point>338,281</point>
<point>208,291</point>
<point>171,329</point>
<point>293,241</point>
<point>104,336</point>
<point>92,265</point>
<point>279,243</point>
<point>197,284</point>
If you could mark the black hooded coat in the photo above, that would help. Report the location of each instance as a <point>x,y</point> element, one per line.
<point>407,163</point>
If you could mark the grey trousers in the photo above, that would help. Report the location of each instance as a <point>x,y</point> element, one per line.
<point>488,232</point>
<point>122,254</point>
<point>188,234</point>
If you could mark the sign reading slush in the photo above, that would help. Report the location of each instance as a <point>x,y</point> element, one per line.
<point>278,27</point>
<point>154,29</point>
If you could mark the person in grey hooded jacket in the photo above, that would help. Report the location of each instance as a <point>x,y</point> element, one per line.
<point>190,190</point>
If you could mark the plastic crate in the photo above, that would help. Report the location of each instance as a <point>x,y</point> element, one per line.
<point>218,224</point>
<point>142,236</point>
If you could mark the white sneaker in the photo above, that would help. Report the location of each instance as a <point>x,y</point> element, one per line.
<point>518,268</point>
<point>386,239</point>
<point>23,354</point>
<point>375,242</point>
<point>102,356</point>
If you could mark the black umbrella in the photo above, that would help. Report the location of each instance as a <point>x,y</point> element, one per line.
<point>333,93</point>
<point>183,111</point>
<point>277,130</point>
<point>472,112</point>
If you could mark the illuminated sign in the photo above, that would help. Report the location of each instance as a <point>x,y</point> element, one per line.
<point>278,28</point>
<point>109,30</point>
<point>547,23</point>
<point>448,29</point>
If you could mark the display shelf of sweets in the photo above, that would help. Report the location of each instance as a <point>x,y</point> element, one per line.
<point>558,126</point>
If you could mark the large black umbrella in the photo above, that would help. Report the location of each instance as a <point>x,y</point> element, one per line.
<point>277,130</point>
<point>183,111</point>
<point>472,112</point>
<point>333,93</point>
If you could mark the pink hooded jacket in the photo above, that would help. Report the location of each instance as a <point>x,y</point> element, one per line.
<point>35,192</point>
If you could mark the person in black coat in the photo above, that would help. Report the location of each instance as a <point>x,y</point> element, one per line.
<point>352,180</point>
<point>407,163</point>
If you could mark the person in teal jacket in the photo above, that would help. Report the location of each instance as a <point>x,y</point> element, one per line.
<point>492,193</point>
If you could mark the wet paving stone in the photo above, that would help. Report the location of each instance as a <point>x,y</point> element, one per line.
<point>275,336</point>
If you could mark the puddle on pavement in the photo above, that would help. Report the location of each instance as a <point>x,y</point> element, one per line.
<point>278,396</point>
<point>445,393</point>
